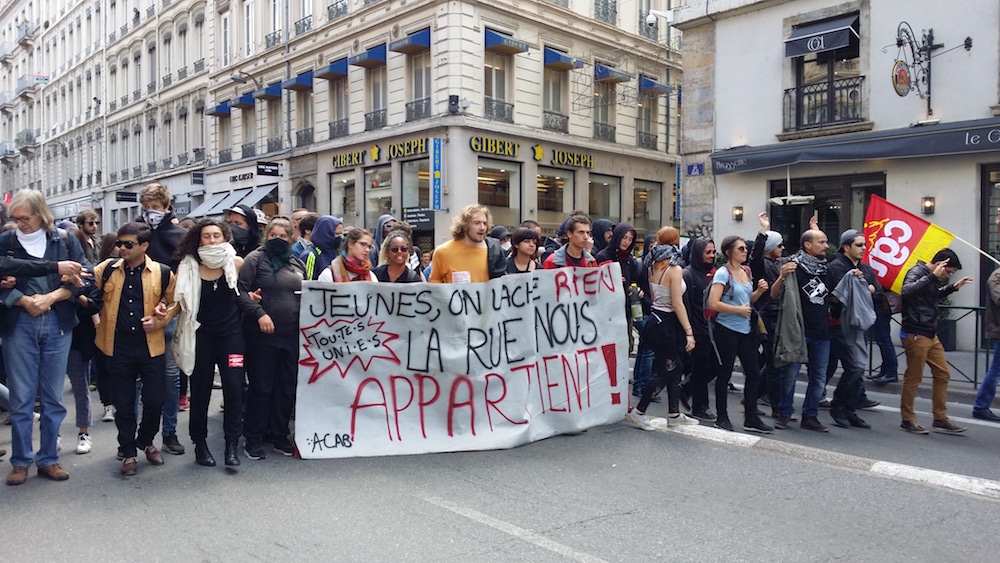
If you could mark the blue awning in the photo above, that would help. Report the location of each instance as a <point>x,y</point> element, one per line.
<point>207,204</point>
<point>303,81</point>
<point>336,70</point>
<point>244,102</point>
<point>557,60</point>
<point>221,110</point>
<point>272,92</point>
<point>372,58</point>
<point>821,36</point>
<point>228,202</point>
<point>497,42</point>
<point>650,86</point>
<point>413,43</point>
<point>258,193</point>
<point>605,73</point>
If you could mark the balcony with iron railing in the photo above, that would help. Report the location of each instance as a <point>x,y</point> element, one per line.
<point>25,85</point>
<point>123,174</point>
<point>304,137</point>
<point>274,144</point>
<point>150,167</point>
<point>168,162</point>
<point>339,128</point>
<point>199,65</point>
<point>112,105</point>
<point>272,39</point>
<point>304,25</point>
<point>136,94</point>
<point>563,3</point>
<point>604,132</point>
<point>336,10</point>
<point>167,79</point>
<point>552,121</point>
<point>136,171</point>
<point>26,32</point>
<point>98,176</point>
<point>248,149</point>
<point>151,87</point>
<point>829,103</point>
<point>26,138</point>
<point>199,155</point>
<point>6,52</point>
<point>124,100</point>
<point>182,159</point>
<point>182,73</point>
<point>497,109</point>
<point>376,119</point>
<point>112,177</point>
<point>606,11</point>
<point>225,155</point>
<point>645,140</point>
<point>418,109</point>
<point>150,12</point>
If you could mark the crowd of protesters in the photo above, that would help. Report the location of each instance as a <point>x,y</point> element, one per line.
<point>154,313</point>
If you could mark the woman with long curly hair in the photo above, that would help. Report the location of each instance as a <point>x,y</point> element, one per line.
<point>209,334</point>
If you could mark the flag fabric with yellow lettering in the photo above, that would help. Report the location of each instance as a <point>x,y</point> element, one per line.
<point>895,239</point>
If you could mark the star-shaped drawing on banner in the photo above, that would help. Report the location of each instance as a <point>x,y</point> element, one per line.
<point>342,343</point>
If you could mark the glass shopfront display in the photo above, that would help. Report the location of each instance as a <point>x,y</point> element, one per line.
<point>555,197</point>
<point>647,203</point>
<point>343,201</point>
<point>605,198</point>
<point>378,194</point>
<point>416,183</point>
<point>500,190</point>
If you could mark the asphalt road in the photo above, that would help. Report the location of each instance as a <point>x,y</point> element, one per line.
<point>613,493</point>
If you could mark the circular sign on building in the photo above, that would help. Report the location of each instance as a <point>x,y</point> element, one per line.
<point>901,78</point>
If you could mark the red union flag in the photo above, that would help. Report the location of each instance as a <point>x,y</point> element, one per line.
<point>895,239</point>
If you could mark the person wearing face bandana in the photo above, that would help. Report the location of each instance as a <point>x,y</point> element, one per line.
<point>327,236</point>
<point>166,235</point>
<point>269,286</point>
<point>243,223</point>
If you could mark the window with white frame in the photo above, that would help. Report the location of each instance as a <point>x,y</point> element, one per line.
<point>275,15</point>
<point>249,126</point>
<point>379,88</point>
<point>224,27</point>
<point>604,102</point>
<point>338,99</point>
<point>304,109</point>
<point>248,27</point>
<point>274,118</point>
<point>420,69</point>
<point>553,88</point>
<point>496,75</point>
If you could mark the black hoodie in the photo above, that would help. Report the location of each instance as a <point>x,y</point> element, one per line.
<point>164,240</point>
<point>630,266</point>
<point>696,279</point>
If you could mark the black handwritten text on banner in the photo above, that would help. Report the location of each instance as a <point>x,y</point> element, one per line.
<point>391,369</point>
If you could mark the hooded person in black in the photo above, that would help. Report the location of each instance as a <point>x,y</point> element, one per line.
<point>327,242</point>
<point>598,230</point>
<point>703,361</point>
<point>619,249</point>
<point>244,240</point>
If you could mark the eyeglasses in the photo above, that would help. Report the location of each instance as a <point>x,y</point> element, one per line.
<point>396,249</point>
<point>709,252</point>
<point>126,243</point>
<point>22,219</point>
<point>741,248</point>
<point>859,244</point>
<point>364,244</point>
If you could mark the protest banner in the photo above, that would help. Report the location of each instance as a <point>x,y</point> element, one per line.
<point>393,369</point>
<point>895,239</point>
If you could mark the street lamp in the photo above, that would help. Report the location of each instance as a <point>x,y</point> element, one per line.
<point>241,77</point>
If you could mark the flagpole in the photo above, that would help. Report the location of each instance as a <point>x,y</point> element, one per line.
<point>979,250</point>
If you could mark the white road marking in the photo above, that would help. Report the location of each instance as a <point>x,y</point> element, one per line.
<point>964,483</point>
<point>516,531</point>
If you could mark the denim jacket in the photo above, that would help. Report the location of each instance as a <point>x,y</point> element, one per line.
<point>60,246</point>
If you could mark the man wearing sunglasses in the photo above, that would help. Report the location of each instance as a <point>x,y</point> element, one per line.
<point>131,335</point>
<point>847,342</point>
<point>88,221</point>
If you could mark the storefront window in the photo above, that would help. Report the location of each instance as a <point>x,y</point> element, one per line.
<point>378,193</point>
<point>500,190</point>
<point>416,183</point>
<point>342,196</point>
<point>555,197</point>
<point>605,196</point>
<point>647,202</point>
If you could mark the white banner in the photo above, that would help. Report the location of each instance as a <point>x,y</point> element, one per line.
<point>392,369</point>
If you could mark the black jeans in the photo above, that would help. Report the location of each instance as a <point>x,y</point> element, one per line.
<point>272,372</point>
<point>102,378</point>
<point>703,368</point>
<point>663,335</point>
<point>769,375</point>
<point>732,344</point>
<point>226,352</point>
<point>131,360</point>
<point>851,387</point>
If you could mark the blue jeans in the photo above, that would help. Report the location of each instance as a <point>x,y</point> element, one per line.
<point>819,357</point>
<point>35,355</point>
<point>171,399</point>
<point>642,374</point>
<point>988,388</point>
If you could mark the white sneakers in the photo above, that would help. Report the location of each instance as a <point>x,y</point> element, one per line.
<point>639,421</point>
<point>83,444</point>
<point>109,414</point>
<point>682,420</point>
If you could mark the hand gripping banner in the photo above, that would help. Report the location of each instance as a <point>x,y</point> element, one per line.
<point>393,369</point>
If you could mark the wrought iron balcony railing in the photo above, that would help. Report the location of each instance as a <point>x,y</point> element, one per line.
<point>418,109</point>
<point>828,103</point>
<point>225,155</point>
<point>375,120</point>
<point>338,128</point>
<point>304,25</point>
<point>274,144</point>
<point>248,150</point>
<point>555,122</point>
<point>304,137</point>
<point>645,140</point>
<point>499,110</point>
<point>604,132</point>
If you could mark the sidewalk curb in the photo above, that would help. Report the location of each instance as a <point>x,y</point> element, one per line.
<point>962,483</point>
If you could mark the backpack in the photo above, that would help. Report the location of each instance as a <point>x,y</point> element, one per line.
<point>710,315</point>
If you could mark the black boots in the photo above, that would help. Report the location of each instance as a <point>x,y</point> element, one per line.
<point>202,456</point>
<point>232,455</point>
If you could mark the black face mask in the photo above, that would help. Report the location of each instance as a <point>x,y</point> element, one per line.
<point>240,235</point>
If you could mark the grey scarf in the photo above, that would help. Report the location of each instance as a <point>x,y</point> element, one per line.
<point>810,264</point>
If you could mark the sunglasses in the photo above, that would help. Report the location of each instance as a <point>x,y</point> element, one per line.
<point>126,243</point>
<point>859,244</point>
<point>396,249</point>
<point>741,248</point>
